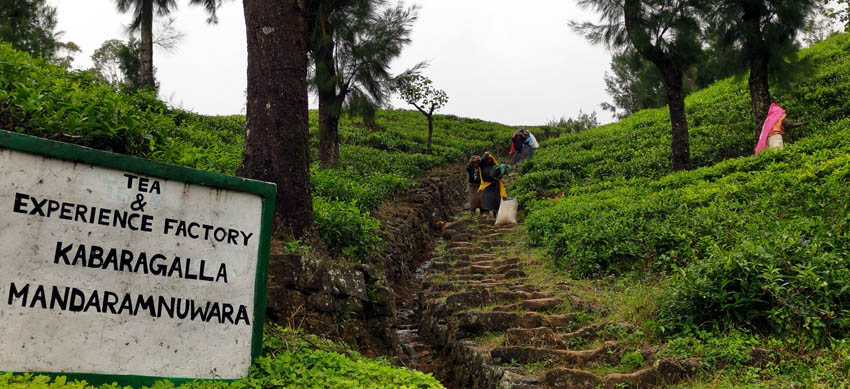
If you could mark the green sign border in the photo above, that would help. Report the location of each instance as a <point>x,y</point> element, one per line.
<point>268,191</point>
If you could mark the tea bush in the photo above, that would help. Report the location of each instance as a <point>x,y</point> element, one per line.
<point>40,99</point>
<point>291,359</point>
<point>760,242</point>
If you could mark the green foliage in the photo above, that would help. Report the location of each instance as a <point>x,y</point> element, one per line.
<point>727,348</point>
<point>291,359</point>
<point>39,99</point>
<point>345,228</point>
<point>632,360</point>
<point>45,101</point>
<point>29,25</point>
<point>117,63</point>
<point>759,242</point>
<point>584,121</point>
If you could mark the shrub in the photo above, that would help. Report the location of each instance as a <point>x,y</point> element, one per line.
<point>344,229</point>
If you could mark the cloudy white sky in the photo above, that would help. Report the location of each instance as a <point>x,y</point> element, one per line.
<point>496,59</point>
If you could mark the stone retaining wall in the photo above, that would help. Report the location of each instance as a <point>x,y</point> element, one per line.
<point>356,304</point>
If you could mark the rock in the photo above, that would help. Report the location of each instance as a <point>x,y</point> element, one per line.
<point>441,266</point>
<point>571,378</point>
<point>321,302</point>
<point>295,271</point>
<point>515,273</point>
<point>534,337</point>
<point>535,305</point>
<point>341,281</point>
<point>468,299</point>
<point>561,321</point>
<point>644,378</point>
<point>672,371</point>
<point>480,322</point>
<point>476,269</point>
<point>532,320</point>
<point>603,354</point>
<point>461,237</point>
<point>505,268</point>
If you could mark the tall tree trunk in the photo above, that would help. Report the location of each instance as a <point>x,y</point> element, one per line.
<point>672,73</point>
<point>329,107</point>
<point>430,132</point>
<point>680,144</point>
<point>328,131</point>
<point>277,137</point>
<point>146,81</point>
<point>759,56</point>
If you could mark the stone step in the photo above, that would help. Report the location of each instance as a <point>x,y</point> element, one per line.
<point>467,277</point>
<point>440,266</point>
<point>510,285</point>
<point>488,262</point>
<point>493,236</point>
<point>607,353</point>
<point>473,323</point>
<point>595,331</point>
<point>579,304</point>
<point>458,237</point>
<point>461,251</point>
<point>663,372</point>
<point>534,305</point>
<point>453,245</point>
<point>485,269</point>
<point>483,257</point>
<point>473,269</point>
<point>486,296</point>
<point>442,287</point>
<point>546,337</point>
<point>492,243</point>
<point>532,337</point>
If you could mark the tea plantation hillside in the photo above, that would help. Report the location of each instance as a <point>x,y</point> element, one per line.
<point>720,122</point>
<point>743,251</point>
<point>43,100</point>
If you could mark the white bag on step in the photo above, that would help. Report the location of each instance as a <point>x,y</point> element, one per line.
<point>507,212</point>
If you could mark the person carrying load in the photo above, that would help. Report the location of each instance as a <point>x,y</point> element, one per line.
<point>492,188</point>
<point>523,144</point>
<point>473,184</point>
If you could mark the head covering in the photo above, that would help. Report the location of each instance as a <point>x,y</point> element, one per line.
<point>774,117</point>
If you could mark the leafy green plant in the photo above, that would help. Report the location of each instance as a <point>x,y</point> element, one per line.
<point>755,242</point>
<point>632,360</point>
<point>291,359</point>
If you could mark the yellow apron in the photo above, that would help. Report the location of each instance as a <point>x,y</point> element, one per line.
<point>485,184</point>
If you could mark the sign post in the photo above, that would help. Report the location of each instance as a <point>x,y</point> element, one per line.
<point>116,268</point>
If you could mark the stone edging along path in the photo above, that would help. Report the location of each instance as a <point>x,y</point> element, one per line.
<point>497,328</point>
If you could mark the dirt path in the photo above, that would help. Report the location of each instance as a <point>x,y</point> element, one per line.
<point>488,317</point>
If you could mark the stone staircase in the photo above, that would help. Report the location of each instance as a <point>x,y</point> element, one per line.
<point>497,328</point>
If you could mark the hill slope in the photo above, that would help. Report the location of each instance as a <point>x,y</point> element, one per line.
<point>757,242</point>
<point>40,99</point>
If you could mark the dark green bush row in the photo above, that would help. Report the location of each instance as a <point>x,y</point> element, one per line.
<point>761,242</point>
<point>291,359</point>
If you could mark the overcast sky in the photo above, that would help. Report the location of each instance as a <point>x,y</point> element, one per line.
<point>496,59</point>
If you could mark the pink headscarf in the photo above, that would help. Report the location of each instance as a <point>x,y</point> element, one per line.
<point>773,115</point>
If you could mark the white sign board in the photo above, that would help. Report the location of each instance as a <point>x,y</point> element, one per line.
<point>105,271</point>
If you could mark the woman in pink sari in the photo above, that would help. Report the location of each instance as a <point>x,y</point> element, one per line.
<point>771,131</point>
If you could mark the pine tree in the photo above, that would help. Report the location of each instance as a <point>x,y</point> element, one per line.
<point>665,32</point>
